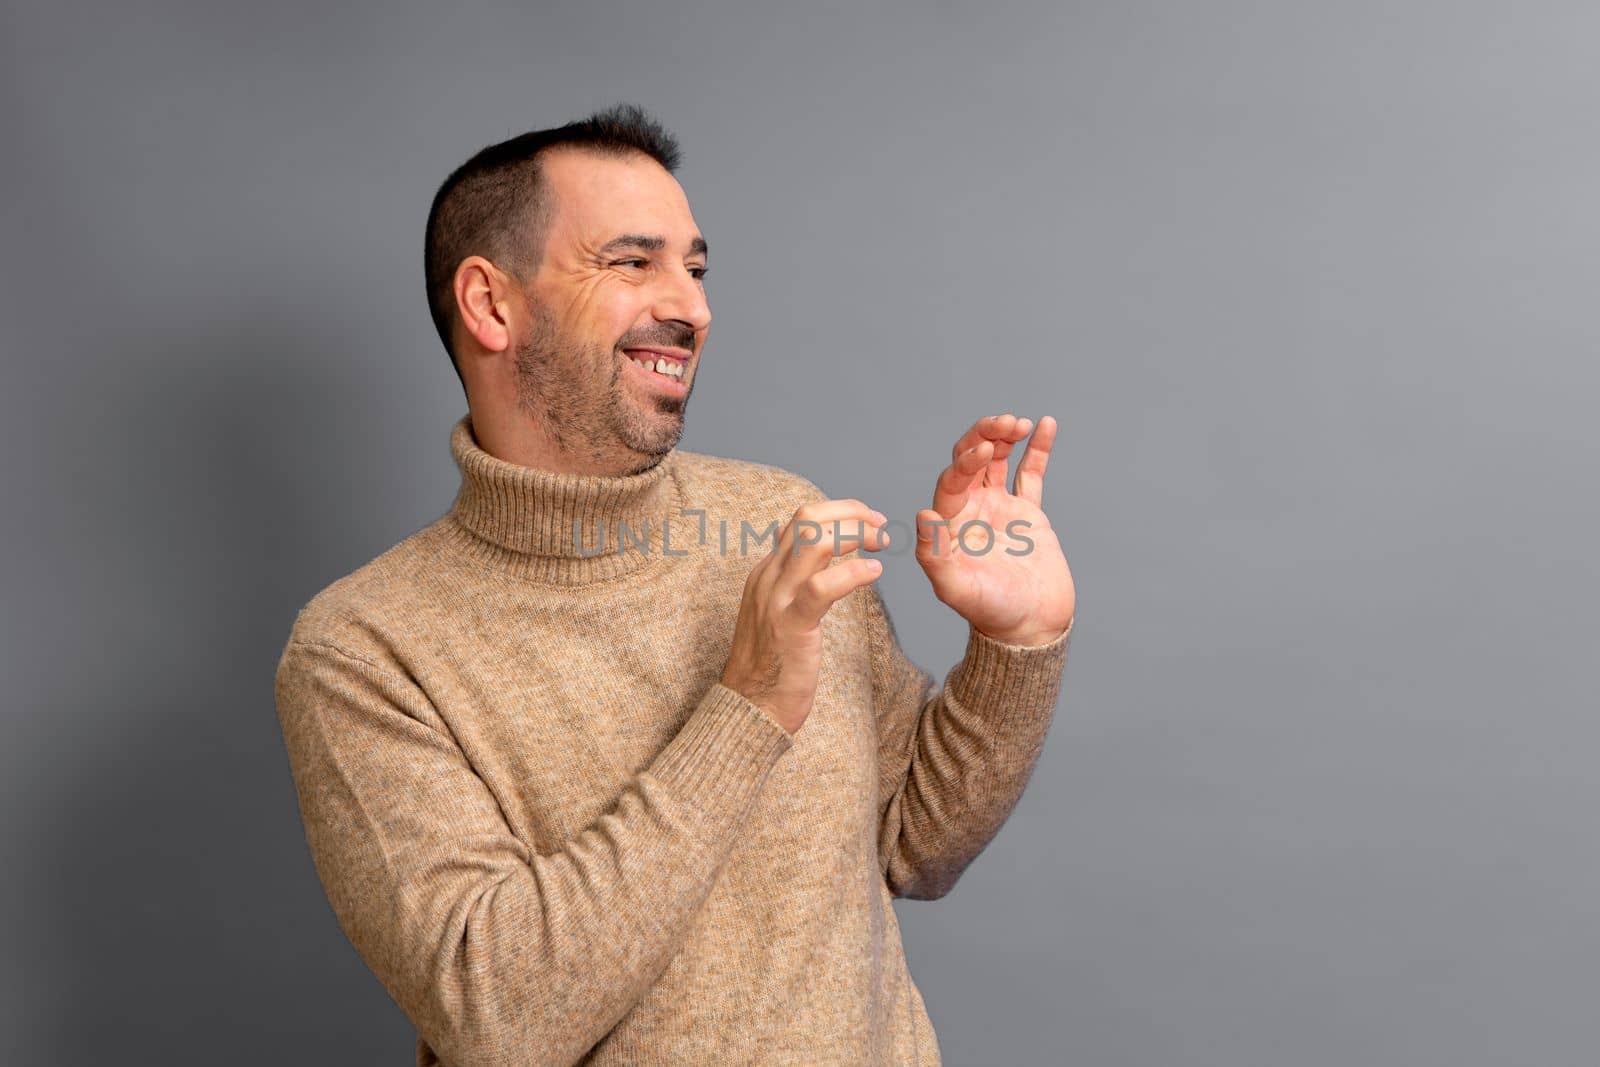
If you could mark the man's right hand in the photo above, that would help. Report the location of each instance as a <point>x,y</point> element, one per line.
<point>777,641</point>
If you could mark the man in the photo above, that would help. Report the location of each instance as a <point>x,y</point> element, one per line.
<point>584,781</point>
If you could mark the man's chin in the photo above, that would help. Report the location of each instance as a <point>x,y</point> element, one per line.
<point>660,434</point>
<point>666,442</point>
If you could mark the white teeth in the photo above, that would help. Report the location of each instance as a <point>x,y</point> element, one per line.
<point>667,367</point>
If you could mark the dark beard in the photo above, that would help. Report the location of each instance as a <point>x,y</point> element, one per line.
<point>559,386</point>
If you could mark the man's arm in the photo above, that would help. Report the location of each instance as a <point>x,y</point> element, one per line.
<point>953,760</point>
<point>498,954</point>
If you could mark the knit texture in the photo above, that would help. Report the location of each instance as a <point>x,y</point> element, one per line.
<point>555,837</point>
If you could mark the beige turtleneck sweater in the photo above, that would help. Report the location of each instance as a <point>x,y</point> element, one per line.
<point>556,837</point>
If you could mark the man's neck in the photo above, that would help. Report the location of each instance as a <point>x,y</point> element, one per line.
<point>515,437</point>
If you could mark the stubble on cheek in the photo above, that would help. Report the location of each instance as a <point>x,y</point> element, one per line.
<point>578,395</point>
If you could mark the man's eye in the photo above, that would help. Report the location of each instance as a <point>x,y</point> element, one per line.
<point>631,263</point>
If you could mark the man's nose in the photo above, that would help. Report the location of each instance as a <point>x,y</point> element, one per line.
<point>682,297</point>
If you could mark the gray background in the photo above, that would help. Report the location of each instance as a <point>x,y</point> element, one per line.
<point>1310,288</point>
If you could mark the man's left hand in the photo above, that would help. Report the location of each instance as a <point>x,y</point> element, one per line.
<point>1010,592</point>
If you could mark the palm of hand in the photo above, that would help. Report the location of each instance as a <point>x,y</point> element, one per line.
<point>991,554</point>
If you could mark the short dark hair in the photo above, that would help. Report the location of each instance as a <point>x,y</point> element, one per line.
<point>495,204</point>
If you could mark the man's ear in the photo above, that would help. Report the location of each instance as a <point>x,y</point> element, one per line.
<point>483,302</point>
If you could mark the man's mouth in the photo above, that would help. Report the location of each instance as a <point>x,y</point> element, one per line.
<point>666,365</point>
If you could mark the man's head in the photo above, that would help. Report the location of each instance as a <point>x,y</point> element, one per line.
<point>550,258</point>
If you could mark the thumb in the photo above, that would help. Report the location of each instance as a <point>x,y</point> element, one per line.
<point>934,535</point>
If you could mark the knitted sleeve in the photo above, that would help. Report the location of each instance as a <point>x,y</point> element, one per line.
<point>498,954</point>
<point>953,759</point>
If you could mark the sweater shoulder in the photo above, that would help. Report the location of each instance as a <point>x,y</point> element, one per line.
<point>365,613</point>
<point>726,482</point>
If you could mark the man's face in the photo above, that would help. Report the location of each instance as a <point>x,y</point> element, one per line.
<point>619,282</point>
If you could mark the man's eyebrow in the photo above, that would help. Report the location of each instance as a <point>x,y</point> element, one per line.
<point>650,243</point>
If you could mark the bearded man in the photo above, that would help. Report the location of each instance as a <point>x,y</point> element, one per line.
<point>584,778</point>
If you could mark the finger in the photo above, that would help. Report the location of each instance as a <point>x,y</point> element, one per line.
<point>814,543</point>
<point>935,535</point>
<point>1001,429</point>
<point>994,474</point>
<point>823,513</point>
<point>816,536</point>
<point>1005,431</point>
<point>1023,428</point>
<point>827,587</point>
<point>1030,471</point>
<point>956,481</point>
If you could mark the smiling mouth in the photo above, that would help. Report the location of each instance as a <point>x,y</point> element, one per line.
<point>658,364</point>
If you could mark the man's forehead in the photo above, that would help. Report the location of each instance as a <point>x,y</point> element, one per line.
<point>632,201</point>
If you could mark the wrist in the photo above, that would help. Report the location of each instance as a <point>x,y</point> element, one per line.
<point>1032,638</point>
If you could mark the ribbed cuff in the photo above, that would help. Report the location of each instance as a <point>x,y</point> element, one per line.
<point>1005,680</point>
<point>720,759</point>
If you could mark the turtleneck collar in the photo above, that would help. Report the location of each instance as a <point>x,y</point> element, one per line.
<point>522,518</point>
